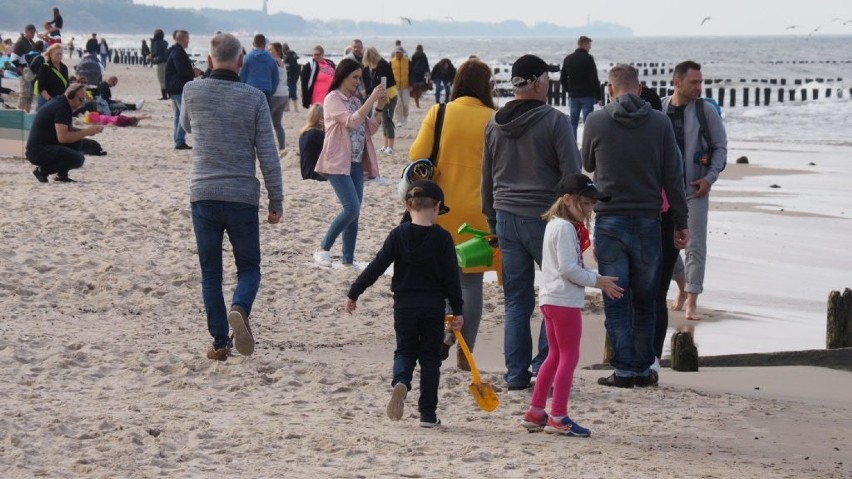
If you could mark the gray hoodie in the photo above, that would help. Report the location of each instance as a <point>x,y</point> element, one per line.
<point>529,151</point>
<point>631,149</point>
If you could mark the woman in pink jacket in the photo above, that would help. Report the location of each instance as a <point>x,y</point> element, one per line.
<point>348,154</point>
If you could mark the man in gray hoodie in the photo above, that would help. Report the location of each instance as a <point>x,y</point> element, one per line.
<point>631,149</point>
<point>529,153</point>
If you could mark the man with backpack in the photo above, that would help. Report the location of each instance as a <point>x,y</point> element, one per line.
<point>703,144</point>
<point>91,68</point>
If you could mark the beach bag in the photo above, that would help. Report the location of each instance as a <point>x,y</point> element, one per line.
<point>424,168</point>
<point>29,75</point>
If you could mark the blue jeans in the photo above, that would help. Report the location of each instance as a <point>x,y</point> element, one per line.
<point>629,247</point>
<point>586,104</point>
<point>520,240</point>
<point>350,191</point>
<point>210,220</point>
<point>419,336</point>
<point>180,133</point>
<point>442,85</point>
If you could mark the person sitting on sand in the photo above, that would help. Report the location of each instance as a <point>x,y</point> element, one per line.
<point>425,274</point>
<point>311,138</point>
<point>114,107</point>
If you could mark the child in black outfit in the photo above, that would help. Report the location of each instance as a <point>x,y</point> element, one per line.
<point>425,274</point>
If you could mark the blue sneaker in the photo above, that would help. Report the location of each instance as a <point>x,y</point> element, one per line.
<point>566,427</point>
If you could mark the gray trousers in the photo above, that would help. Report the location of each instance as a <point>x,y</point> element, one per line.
<point>696,250</point>
<point>26,90</point>
<point>471,286</point>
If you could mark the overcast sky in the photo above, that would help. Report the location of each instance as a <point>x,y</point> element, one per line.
<point>645,17</point>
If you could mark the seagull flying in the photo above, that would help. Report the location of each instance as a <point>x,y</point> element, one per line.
<point>791,27</point>
<point>449,18</point>
<point>812,32</point>
<point>704,21</point>
<point>405,19</point>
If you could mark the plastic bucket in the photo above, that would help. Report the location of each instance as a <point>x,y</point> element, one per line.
<point>474,252</point>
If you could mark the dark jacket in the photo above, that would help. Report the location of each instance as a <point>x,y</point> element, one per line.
<point>291,60</point>
<point>383,69</point>
<point>444,71</point>
<point>310,146</point>
<point>92,46</point>
<point>20,49</point>
<point>631,149</point>
<point>145,49</point>
<point>49,81</point>
<point>529,152</point>
<point>579,75</point>
<point>419,68</point>
<point>159,49</point>
<point>425,271</point>
<point>178,70</point>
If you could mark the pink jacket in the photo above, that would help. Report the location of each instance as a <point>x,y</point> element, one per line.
<point>336,155</point>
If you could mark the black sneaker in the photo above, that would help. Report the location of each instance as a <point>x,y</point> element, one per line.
<point>429,421</point>
<point>63,179</point>
<point>651,379</point>
<point>616,381</point>
<point>512,387</point>
<point>183,146</point>
<point>41,177</point>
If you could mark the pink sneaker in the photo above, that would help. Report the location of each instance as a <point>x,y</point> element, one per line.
<point>533,421</point>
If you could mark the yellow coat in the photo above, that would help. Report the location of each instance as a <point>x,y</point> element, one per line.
<point>400,72</point>
<point>459,164</point>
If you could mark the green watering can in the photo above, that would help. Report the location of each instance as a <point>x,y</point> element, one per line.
<point>475,251</point>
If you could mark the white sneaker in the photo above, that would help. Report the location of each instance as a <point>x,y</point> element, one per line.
<point>656,366</point>
<point>322,258</point>
<point>388,151</point>
<point>380,150</point>
<point>354,267</point>
<point>140,104</point>
<point>379,180</point>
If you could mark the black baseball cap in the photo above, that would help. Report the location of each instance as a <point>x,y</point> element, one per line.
<point>528,68</point>
<point>582,185</point>
<point>428,189</point>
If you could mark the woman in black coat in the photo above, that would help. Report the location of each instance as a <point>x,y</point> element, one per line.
<point>419,74</point>
<point>52,77</point>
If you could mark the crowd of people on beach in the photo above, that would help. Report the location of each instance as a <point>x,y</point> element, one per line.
<point>514,172</point>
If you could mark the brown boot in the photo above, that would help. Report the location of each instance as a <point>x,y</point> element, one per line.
<point>461,360</point>
<point>218,354</point>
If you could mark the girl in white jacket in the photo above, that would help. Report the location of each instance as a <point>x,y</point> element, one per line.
<point>562,295</point>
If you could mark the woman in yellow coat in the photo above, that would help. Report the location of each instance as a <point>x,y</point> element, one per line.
<point>459,174</point>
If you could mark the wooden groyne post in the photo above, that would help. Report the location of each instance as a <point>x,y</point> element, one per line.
<point>684,352</point>
<point>839,330</point>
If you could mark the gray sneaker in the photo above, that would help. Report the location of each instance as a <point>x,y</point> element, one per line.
<point>397,402</point>
<point>243,339</point>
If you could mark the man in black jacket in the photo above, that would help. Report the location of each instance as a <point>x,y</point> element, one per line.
<point>579,78</point>
<point>179,72</point>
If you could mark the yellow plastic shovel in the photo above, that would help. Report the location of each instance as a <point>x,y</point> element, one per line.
<point>482,392</point>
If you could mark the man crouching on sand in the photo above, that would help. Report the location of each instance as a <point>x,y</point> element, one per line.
<point>232,125</point>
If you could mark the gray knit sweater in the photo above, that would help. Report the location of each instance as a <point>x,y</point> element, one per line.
<point>231,126</point>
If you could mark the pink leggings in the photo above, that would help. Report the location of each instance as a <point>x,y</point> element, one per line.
<point>564,328</point>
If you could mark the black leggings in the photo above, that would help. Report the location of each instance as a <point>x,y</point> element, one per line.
<point>669,258</point>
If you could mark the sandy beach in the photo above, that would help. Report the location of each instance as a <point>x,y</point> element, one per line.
<point>103,372</point>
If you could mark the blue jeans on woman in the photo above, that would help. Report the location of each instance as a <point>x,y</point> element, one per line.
<point>442,85</point>
<point>520,240</point>
<point>629,247</point>
<point>210,220</point>
<point>350,191</point>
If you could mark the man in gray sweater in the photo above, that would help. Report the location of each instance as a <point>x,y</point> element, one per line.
<point>529,153</point>
<point>631,149</point>
<point>232,127</point>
